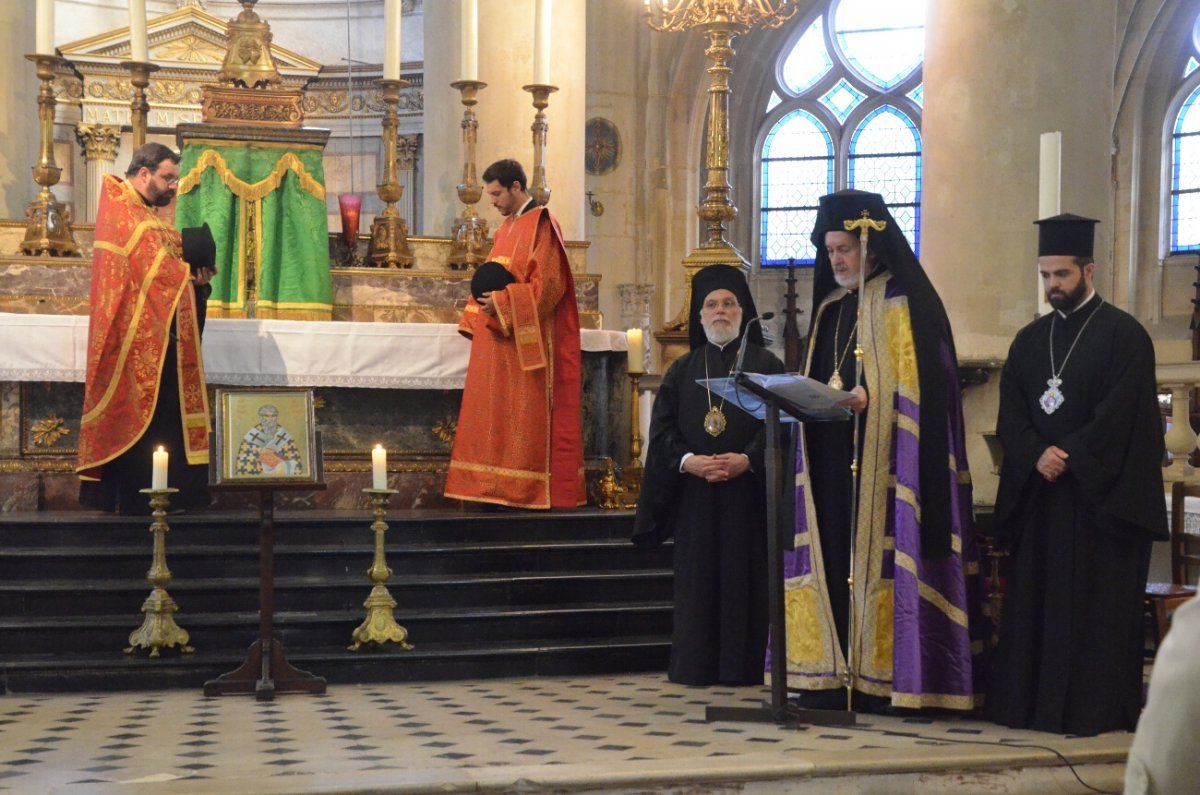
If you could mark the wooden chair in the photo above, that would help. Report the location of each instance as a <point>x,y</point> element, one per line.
<point>1163,597</point>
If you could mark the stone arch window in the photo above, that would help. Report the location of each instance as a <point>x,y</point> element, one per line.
<point>1183,147</point>
<point>845,112</point>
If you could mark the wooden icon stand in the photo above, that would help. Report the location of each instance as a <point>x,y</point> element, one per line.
<point>266,670</point>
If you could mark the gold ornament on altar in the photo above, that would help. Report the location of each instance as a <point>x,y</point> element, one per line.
<point>48,431</point>
<point>248,92</point>
<point>720,21</point>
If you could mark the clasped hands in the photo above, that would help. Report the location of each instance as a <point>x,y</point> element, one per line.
<point>716,468</point>
<point>1052,463</point>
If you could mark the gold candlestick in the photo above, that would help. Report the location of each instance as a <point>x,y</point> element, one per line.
<point>468,236</point>
<point>159,630</point>
<point>380,625</point>
<point>632,477</point>
<point>538,188</point>
<point>48,221</point>
<point>389,232</point>
<point>139,107</point>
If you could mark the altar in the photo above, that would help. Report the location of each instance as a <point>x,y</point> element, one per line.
<point>398,384</point>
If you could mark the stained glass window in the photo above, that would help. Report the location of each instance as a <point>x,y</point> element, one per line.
<point>845,112</point>
<point>1185,176</point>
<point>797,169</point>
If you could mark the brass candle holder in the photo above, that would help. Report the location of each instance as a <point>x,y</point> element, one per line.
<point>389,231</point>
<point>159,630</point>
<point>48,221</point>
<point>632,477</point>
<point>538,188</point>
<point>139,107</point>
<point>468,236</point>
<point>380,625</point>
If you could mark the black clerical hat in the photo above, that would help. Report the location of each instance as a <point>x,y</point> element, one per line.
<point>1066,235</point>
<point>847,205</point>
<point>489,277</point>
<point>721,277</point>
<point>199,248</point>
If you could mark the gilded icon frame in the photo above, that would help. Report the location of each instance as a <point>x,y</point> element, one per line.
<point>285,452</point>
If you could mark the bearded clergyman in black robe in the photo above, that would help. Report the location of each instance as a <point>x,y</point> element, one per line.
<point>1079,502</point>
<point>704,485</point>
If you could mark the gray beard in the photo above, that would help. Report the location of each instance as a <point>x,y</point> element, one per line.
<point>720,337</point>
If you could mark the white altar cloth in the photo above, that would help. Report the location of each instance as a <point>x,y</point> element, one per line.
<point>274,352</point>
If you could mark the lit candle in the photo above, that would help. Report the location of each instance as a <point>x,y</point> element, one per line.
<point>43,26</point>
<point>1050,175</point>
<point>470,39</point>
<point>138,48</point>
<point>158,476</point>
<point>379,468</point>
<point>636,362</point>
<point>391,40</point>
<point>541,44</point>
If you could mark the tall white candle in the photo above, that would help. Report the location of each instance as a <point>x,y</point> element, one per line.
<point>158,475</point>
<point>470,39</point>
<point>1050,175</point>
<point>541,44</point>
<point>392,39</point>
<point>43,24</point>
<point>636,362</point>
<point>138,47</point>
<point>379,468</point>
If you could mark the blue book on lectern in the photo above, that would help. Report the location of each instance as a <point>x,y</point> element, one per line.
<point>817,401</point>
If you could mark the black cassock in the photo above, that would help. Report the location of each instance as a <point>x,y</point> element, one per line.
<point>1070,653</point>
<point>720,620</point>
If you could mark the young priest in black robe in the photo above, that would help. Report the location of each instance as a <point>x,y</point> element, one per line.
<point>704,486</point>
<point>1079,502</point>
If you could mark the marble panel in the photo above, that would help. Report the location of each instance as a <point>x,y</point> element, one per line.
<point>19,492</point>
<point>10,419</point>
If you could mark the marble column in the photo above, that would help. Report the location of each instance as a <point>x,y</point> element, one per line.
<point>408,148</point>
<point>991,89</point>
<point>100,143</point>
<point>505,111</point>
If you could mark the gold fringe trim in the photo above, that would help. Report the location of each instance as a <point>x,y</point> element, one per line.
<point>246,191</point>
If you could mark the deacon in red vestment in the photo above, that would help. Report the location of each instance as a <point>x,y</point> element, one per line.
<point>519,441</point>
<point>145,378</point>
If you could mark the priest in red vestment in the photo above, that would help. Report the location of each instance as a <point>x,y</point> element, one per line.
<point>145,378</point>
<point>519,441</point>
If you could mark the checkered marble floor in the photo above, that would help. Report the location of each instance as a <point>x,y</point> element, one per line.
<point>566,734</point>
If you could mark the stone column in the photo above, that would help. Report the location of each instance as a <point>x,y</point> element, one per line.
<point>635,311</point>
<point>100,143</point>
<point>505,111</point>
<point>408,148</point>
<point>991,89</point>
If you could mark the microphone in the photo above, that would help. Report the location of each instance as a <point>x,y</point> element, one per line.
<point>737,364</point>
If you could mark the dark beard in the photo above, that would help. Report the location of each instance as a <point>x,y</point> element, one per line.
<point>1065,302</point>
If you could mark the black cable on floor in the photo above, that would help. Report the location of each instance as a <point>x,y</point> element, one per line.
<point>919,736</point>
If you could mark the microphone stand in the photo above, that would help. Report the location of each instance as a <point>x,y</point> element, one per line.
<point>741,354</point>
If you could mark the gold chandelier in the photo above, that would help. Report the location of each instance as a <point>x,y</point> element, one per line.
<point>677,15</point>
<point>720,21</point>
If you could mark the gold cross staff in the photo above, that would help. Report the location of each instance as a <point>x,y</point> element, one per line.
<point>865,226</point>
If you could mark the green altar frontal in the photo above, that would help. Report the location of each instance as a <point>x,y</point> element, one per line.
<point>263,195</point>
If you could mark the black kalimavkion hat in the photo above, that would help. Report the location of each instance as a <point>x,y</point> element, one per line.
<point>489,277</point>
<point>1066,235</point>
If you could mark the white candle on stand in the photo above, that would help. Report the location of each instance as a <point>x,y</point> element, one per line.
<point>636,362</point>
<point>541,44</point>
<point>391,40</point>
<point>1050,175</point>
<point>470,39</point>
<point>158,475</point>
<point>44,27</point>
<point>379,468</point>
<point>138,48</point>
